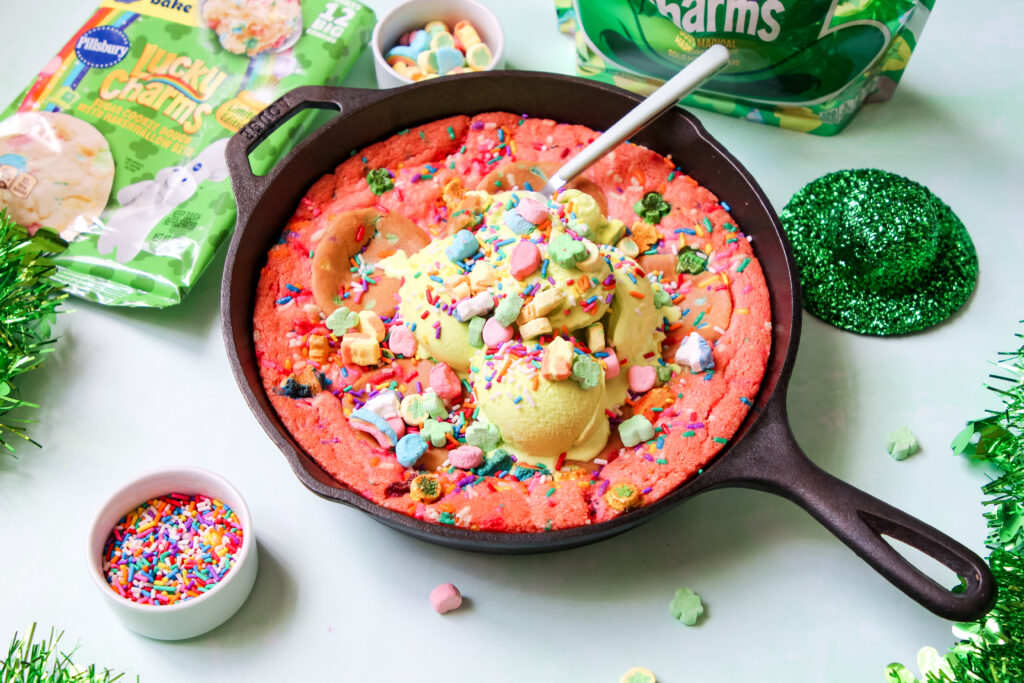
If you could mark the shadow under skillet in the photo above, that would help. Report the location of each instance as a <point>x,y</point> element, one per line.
<point>724,532</point>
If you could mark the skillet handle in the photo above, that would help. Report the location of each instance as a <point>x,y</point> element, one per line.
<point>776,464</point>
<point>247,186</point>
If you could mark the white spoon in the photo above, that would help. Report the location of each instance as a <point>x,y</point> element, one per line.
<point>696,72</point>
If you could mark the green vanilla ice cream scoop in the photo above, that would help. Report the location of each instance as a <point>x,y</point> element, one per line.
<point>514,307</point>
<point>440,336</point>
<point>632,310</point>
<point>540,419</point>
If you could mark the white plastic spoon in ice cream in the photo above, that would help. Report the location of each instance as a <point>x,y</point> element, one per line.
<point>710,62</point>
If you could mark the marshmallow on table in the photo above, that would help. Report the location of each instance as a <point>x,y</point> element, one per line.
<point>445,598</point>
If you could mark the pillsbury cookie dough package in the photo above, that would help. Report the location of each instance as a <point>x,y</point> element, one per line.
<point>118,144</point>
<point>807,65</point>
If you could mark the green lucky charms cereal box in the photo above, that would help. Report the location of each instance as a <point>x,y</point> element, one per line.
<point>118,145</point>
<point>802,64</point>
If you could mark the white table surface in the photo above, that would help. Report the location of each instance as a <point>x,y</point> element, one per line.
<point>340,597</point>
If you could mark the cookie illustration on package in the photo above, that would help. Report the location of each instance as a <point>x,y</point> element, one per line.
<point>56,171</point>
<point>254,27</point>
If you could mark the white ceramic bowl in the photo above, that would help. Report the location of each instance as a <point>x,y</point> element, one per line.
<point>415,14</point>
<point>187,618</point>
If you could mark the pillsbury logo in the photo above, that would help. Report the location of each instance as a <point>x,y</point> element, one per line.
<point>102,47</point>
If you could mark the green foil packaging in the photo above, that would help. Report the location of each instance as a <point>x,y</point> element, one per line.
<point>807,65</point>
<point>153,77</point>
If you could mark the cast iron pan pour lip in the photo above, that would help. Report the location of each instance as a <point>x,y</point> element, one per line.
<point>763,455</point>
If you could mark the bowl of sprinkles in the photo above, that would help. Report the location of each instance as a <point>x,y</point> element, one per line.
<point>174,553</point>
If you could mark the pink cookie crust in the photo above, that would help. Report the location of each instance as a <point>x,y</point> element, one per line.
<point>697,413</point>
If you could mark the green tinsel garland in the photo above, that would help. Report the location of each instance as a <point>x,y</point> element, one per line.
<point>28,303</point>
<point>992,649</point>
<point>44,662</point>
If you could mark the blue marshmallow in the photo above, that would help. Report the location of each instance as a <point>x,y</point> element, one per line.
<point>463,246</point>
<point>419,42</point>
<point>695,352</point>
<point>410,449</point>
<point>517,223</point>
<point>448,58</point>
<point>377,421</point>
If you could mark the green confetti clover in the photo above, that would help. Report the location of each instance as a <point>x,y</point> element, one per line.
<point>380,180</point>
<point>652,208</point>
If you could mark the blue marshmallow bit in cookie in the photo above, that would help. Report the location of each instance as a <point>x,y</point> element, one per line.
<point>410,449</point>
<point>376,421</point>
<point>695,352</point>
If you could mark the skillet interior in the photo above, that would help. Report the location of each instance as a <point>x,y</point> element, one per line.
<point>265,204</point>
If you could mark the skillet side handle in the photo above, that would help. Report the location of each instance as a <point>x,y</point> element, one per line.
<point>247,186</point>
<point>778,465</point>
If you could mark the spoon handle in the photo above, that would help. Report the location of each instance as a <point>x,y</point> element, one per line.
<point>696,72</point>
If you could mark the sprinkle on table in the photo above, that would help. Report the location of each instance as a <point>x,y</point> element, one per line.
<point>171,549</point>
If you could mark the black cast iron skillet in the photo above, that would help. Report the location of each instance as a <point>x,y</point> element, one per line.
<point>761,455</point>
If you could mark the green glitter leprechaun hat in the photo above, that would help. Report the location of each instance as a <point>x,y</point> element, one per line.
<point>878,253</point>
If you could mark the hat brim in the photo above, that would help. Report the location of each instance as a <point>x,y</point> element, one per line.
<point>831,294</point>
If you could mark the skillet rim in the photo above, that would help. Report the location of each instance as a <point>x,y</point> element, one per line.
<point>768,406</point>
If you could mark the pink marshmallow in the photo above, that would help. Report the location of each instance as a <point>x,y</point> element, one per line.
<point>641,378</point>
<point>532,210</point>
<point>525,259</point>
<point>611,364</point>
<point>495,334</point>
<point>466,457</point>
<point>445,598</point>
<point>398,424</point>
<point>402,341</point>
<point>445,382</point>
